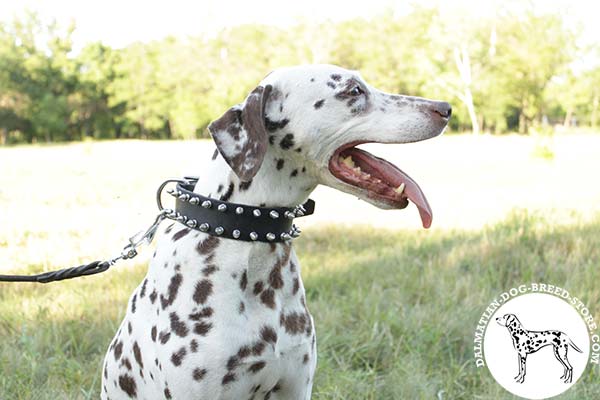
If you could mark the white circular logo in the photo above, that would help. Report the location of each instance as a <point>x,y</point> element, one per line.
<point>536,345</point>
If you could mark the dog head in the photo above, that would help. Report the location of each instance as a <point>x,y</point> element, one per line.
<point>317,115</point>
<point>508,320</point>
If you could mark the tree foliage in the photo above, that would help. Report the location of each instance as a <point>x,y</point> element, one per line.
<point>501,73</point>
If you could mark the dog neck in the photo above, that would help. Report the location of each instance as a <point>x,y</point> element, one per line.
<point>282,181</point>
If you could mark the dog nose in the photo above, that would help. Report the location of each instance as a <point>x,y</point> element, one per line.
<point>442,108</point>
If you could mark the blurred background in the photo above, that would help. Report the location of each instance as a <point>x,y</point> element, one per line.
<point>101,101</point>
<point>153,70</point>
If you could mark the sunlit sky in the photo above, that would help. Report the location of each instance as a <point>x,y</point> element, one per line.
<point>120,22</point>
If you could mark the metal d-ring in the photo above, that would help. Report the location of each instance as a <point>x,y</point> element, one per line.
<point>161,188</point>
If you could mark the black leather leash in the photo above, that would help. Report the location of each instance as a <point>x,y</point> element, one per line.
<point>211,216</point>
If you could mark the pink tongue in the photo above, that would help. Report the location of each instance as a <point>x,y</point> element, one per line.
<point>416,195</point>
<point>396,177</point>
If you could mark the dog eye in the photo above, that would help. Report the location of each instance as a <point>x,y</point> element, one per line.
<point>356,91</point>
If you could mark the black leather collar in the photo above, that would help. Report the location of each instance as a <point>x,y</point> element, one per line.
<point>232,220</point>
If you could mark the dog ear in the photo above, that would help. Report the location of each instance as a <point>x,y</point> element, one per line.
<point>241,135</point>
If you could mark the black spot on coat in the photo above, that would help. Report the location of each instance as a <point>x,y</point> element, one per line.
<point>127,384</point>
<point>273,126</point>
<point>245,185</point>
<point>178,356</point>
<point>287,142</point>
<point>228,193</point>
<point>172,290</point>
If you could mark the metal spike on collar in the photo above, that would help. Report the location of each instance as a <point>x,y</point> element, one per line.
<point>235,234</point>
<point>271,236</point>
<point>174,192</point>
<point>204,227</point>
<point>256,213</point>
<point>181,218</point>
<point>206,204</point>
<point>289,215</point>
<point>274,214</point>
<point>253,235</point>
<point>184,197</point>
<point>285,236</point>
<point>195,201</point>
<point>222,207</point>
<point>192,223</point>
<point>219,230</point>
<point>239,210</point>
<point>295,231</point>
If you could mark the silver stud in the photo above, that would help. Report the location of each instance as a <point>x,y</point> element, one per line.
<point>222,207</point>
<point>295,232</point>
<point>235,234</point>
<point>184,197</point>
<point>239,210</point>
<point>206,204</point>
<point>219,230</point>
<point>256,213</point>
<point>289,215</point>
<point>271,236</point>
<point>285,236</point>
<point>299,213</point>
<point>194,200</point>
<point>174,193</point>
<point>204,227</point>
<point>192,223</point>
<point>181,218</point>
<point>253,235</point>
<point>274,214</point>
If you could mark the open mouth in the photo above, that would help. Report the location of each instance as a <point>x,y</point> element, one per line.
<point>381,180</point>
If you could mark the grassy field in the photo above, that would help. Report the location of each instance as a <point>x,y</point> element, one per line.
<point>395,310</point>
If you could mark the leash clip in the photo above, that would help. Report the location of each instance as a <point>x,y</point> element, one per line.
<point>141,238</point>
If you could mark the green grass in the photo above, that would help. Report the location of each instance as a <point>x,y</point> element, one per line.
<point>395,311</point>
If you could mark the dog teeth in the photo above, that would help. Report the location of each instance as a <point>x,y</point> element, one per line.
<point>348,161</point>
<point>400,189</point>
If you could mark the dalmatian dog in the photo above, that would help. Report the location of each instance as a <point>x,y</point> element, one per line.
<point>528,342</point>
<point>217,318</point>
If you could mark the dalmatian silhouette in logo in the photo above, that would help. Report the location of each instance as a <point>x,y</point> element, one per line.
<point>528,342</point>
